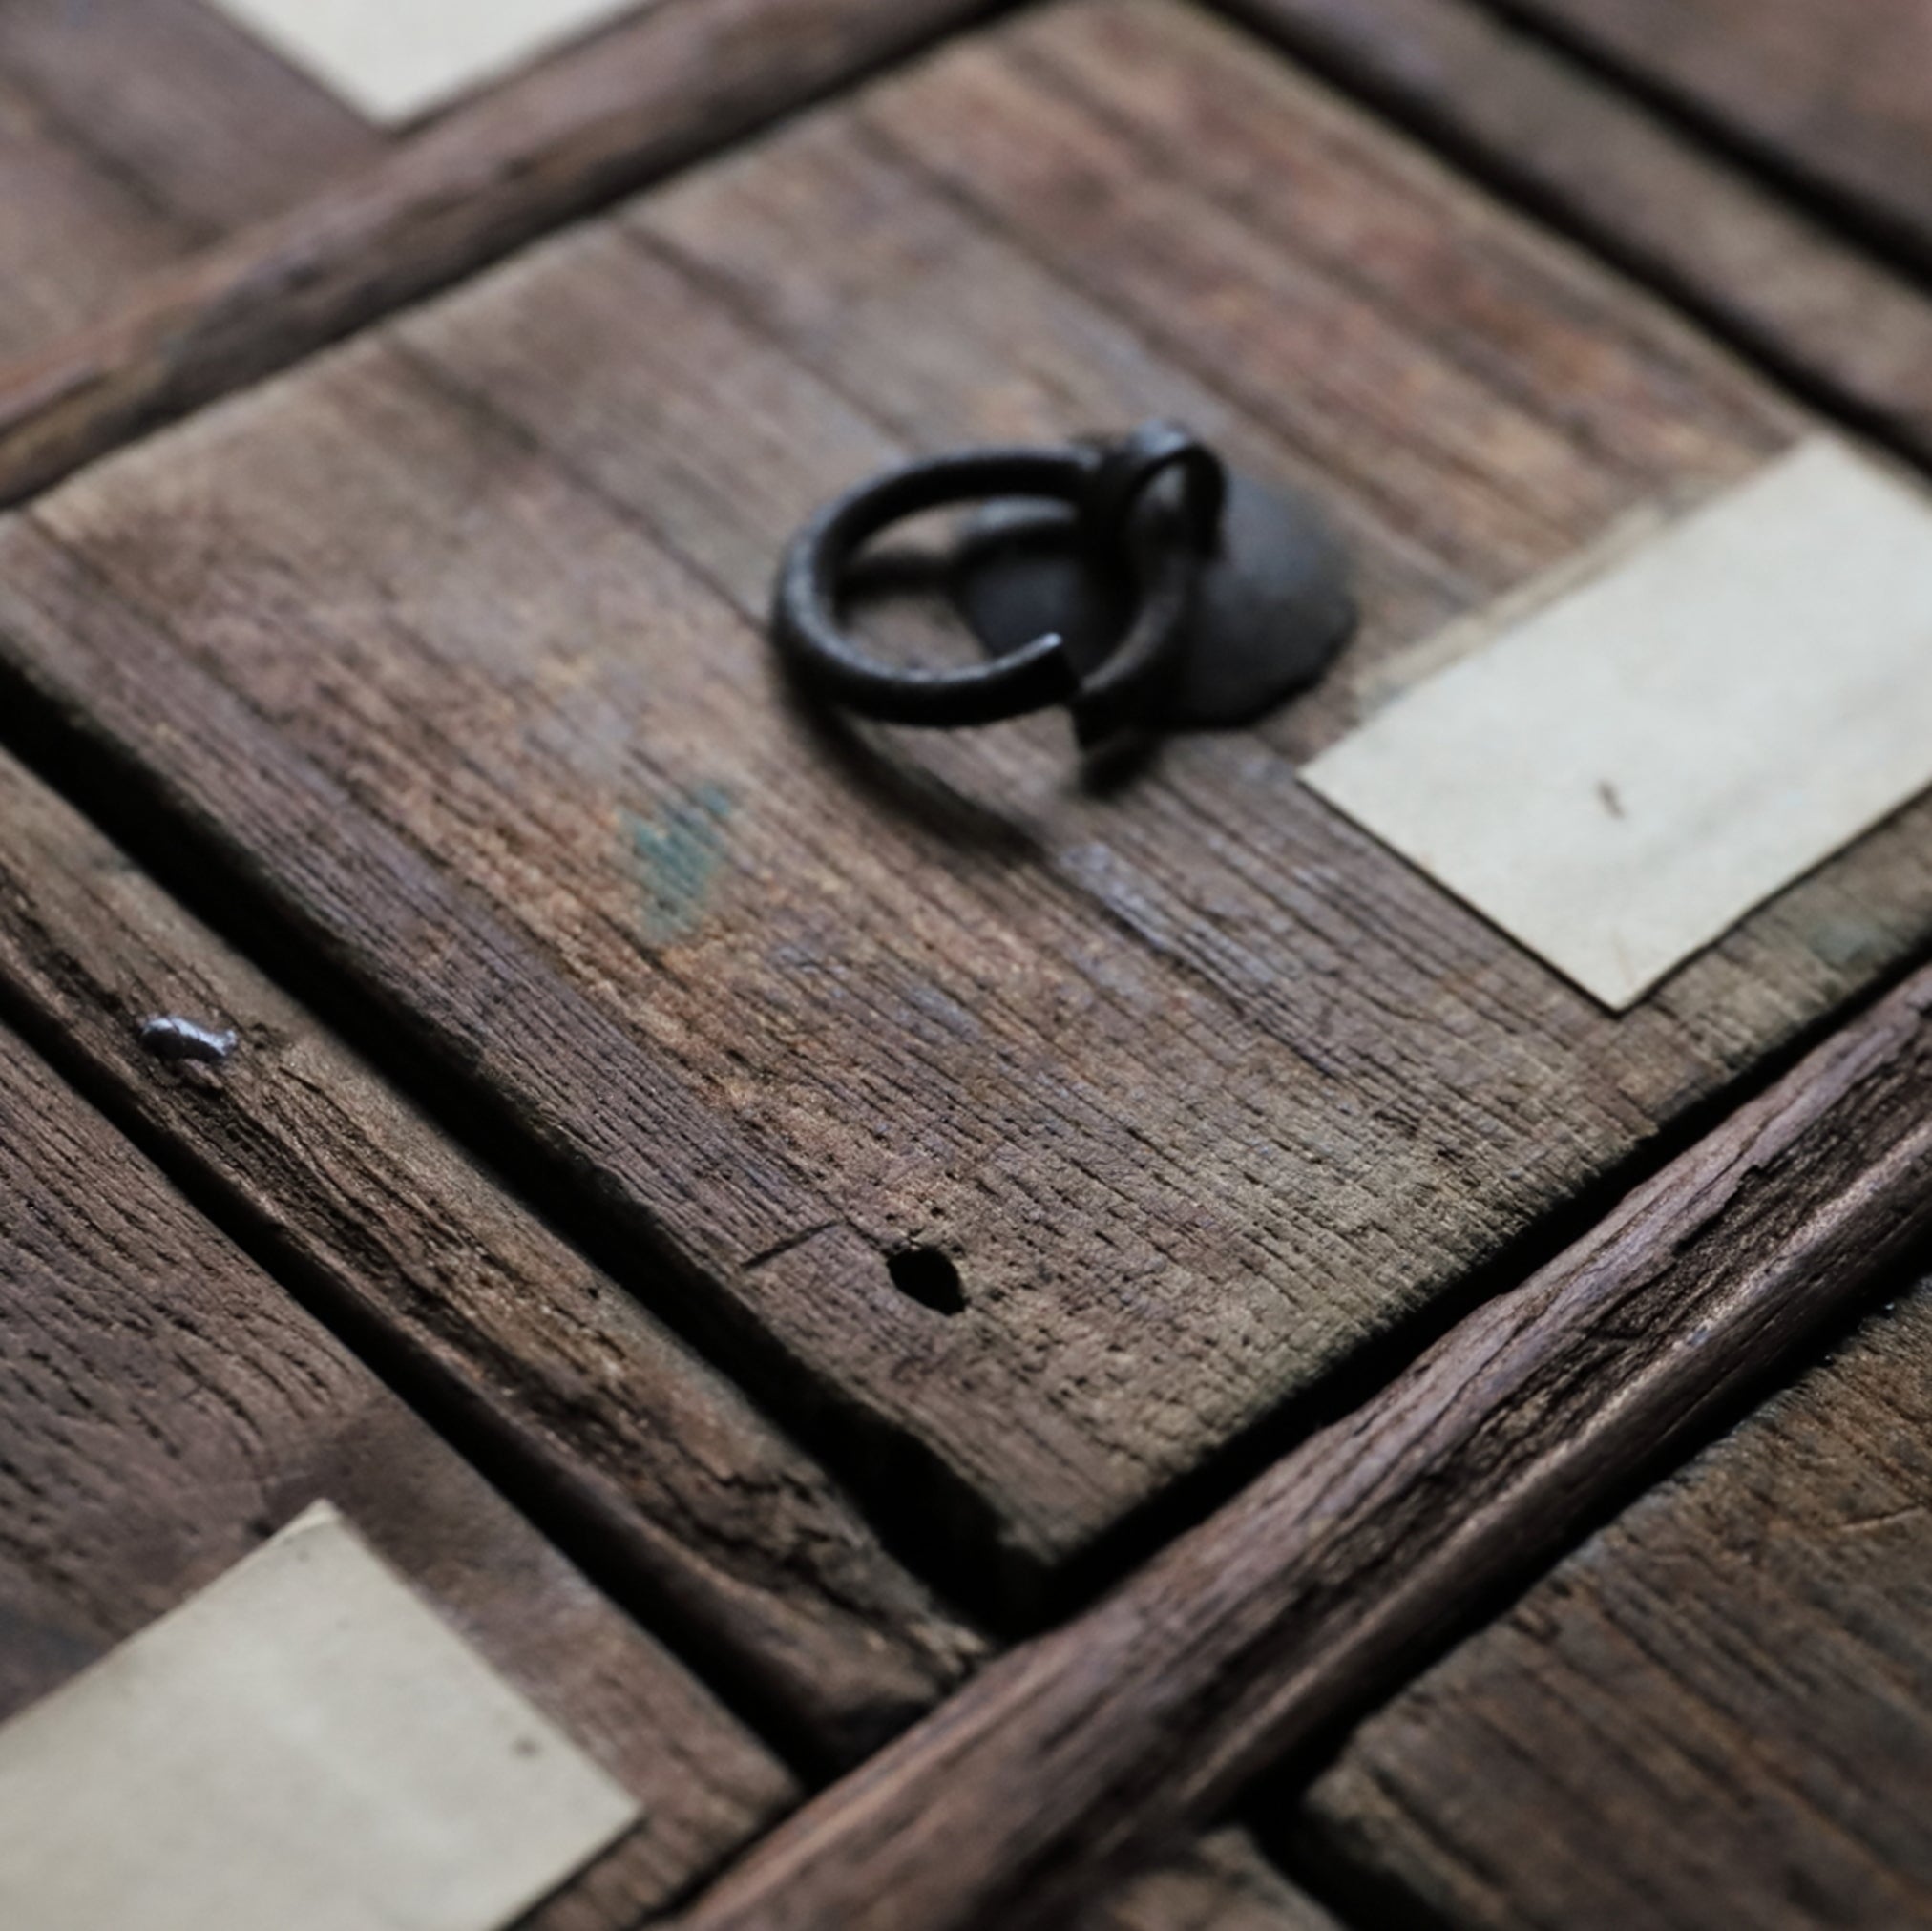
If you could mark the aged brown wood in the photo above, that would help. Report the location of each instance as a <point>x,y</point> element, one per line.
<point>686,77</point>
<point>164,1406</point>
<point>1079,1753</point>
<point>630,1438</point>
<point>1781,282</point>
<point>1223,1883</point>
<point>1716,1714</point>
<point>450,645</point>
<point>1834,95</point>
<point>651,1458</point>
<point>133,133</point>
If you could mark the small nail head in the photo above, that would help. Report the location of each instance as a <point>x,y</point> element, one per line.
<point>168,1036</point>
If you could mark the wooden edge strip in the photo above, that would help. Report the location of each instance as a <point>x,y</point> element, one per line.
<point>1082,1754</point>
<point>646,1464</point>
<point>1777,282</point>
<point>570,136</point>
<point>1224,1881</point>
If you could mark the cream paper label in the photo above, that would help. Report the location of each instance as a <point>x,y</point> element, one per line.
<point>394,60</point>
<point>1621,774</point>
<point>303,1746</point>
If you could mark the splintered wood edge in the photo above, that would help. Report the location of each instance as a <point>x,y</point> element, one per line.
<point>1695,225</point>
<point>1082,1756</point>
<point>557,142</point>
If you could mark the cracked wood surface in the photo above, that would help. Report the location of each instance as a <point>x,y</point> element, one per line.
<point>1715,1716</point>
<point>1780,280</point>
<point>152,131</point>
<point>164,1407</point>
<point>448,646</point>
<point>1078,1756</point>
<point>616,1429</point>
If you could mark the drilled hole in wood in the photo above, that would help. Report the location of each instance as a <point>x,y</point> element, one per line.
<point>929,1275</point>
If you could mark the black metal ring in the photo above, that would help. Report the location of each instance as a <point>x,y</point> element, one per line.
<point>805,615</point>
<point>1131,467</point>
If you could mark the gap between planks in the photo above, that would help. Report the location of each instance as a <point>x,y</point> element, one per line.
<point>648,1467</point>
<point>681,1503</point>
<point>1077,1757</point>
<point>556,143</point>
<point>1511,102</point>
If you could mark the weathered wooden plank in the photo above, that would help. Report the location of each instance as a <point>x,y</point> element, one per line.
<point>703,1508</point>
<point>1081,1752</point>
<point>166,1407</point>
<point>681,77</point>
<point>1778,279</point>
<point>133,133</point>
<point>1717,1713</point>
<point>450,645</point>
<point>1223,1883</point>
<point>627,1436</point>
<point>1831,95</point>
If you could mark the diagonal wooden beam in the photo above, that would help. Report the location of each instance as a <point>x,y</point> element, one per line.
<point>1776,277</point>
<point>567,137</point>
<point>1082,1755</point>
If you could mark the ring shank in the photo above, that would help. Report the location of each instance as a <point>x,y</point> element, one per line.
<point>804,616</point>
<point>805,622</point>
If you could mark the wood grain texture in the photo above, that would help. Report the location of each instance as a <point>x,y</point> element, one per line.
<point>1834,95</point>
<point>708,1512</point>
<point>1082,1752</point>
<point>450,645</point>
<point>1780,281</point>
<point>132,134</point>
<point>164,1407</point>
<point>1716,1714</point>
<point>1223,1883</point>
<point>680,79</point>
<point>719,1520</point>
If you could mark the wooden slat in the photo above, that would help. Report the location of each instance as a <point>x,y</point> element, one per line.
<point>164,1407</point>
<point>1782,281</point>
<point>1223,1883</point>
<point>1082,1752</point>
<point>702,1507</point>
<point>1834,95</point>
<point>316,247</point>
<point>450,645</point>
<point>625,1437</point>
<point>133,133</point>
<point>1716,1714</point>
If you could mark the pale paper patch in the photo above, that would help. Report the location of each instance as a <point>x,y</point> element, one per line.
<point>303,1746</point>
<point>1629,769</point>
<point>394,60</point>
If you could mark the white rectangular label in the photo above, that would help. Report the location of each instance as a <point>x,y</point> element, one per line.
<point>394,60</point>
<point>303,1745</point>
<point>1620,776</point>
